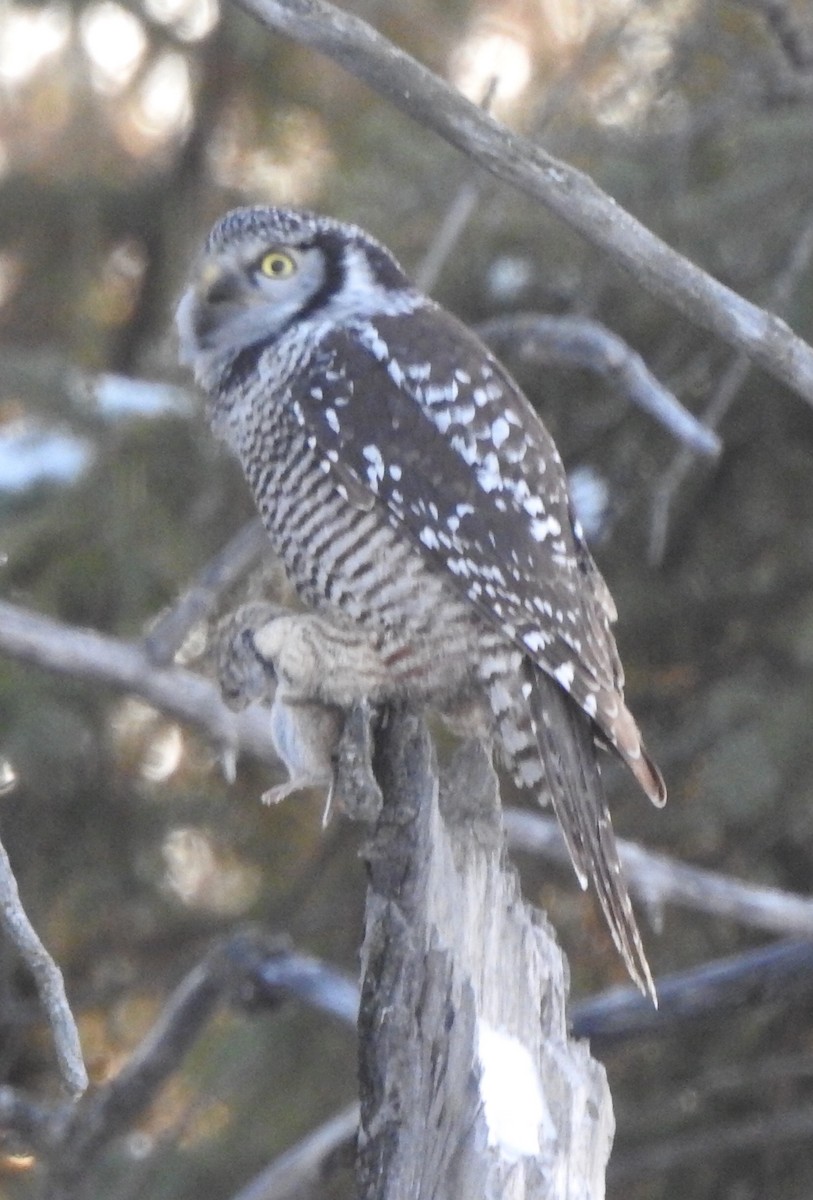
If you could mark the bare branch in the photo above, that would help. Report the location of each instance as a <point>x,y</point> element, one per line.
<point>724,396</point>
<point>103,1114</point>
<point>113,1108</point>
<point>200,599</point>
<point>244,968</point>
<point>303,1166</point>
<point>795,40</point>
<point>448,234</point>
<point>569,193</point>
<point>580,342</point>
<point>310,980</point>
<point>48,979</point>
<point>456,217</point>
<point>658,880</point>
<point>31,1122</point>
<point>755,977</point>
<point>720,1140</point>
<point>126,666</point>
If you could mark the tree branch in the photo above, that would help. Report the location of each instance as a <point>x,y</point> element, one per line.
<point>70,1138</point>
<point>304,1165</point>
<point>723,985</point>
<point>569,193</point>
<point>794,39</point>
<point>724,395</point>
<point>127,666</point>
<point>580,342</point>
<point>48,979</point>
<point>200,599</point>
<point>773,1132</point>
<point>657,880</point>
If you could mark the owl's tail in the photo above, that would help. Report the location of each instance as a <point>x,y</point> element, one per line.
<point>566,748</point>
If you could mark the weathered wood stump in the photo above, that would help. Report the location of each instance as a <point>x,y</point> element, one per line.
<point>470,1085</point>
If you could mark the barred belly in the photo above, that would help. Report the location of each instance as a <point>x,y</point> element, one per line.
<point>351,565</point>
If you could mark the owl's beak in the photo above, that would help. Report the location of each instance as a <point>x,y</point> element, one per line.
<point>217,284</point>
<point>199,313</point>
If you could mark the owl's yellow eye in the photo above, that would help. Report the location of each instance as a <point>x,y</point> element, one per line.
<point>276,264</point>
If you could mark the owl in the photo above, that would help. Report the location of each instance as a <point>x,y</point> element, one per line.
<point>415,498</point>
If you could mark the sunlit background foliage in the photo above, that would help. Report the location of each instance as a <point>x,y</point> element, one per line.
<point>125,128</point>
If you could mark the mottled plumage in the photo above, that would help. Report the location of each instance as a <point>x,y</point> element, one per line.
<point>415,497</point>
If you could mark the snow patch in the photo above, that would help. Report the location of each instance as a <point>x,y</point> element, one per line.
<point>510,1090</point>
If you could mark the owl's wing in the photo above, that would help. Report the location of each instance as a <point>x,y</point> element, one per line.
<point>424,418</point>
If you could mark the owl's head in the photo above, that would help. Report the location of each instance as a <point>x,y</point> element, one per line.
<point>264,270</point>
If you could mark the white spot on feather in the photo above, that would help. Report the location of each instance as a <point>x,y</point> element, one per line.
<point>465,448</point>
<point>541,530</point>
<point>395,373</point>
<point>489,475</point>
<point>419,371</point>
<point>374,342</point>
<point>375,471</point>
<point>500,430</point>
<point>565,674</point>
<point>536,640</point>
<point>442,419</point>
<point>500,698</point>
<point>460,566</point>
<point>440,393</point>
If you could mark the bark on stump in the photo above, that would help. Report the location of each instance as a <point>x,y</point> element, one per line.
<point>470,1085</point>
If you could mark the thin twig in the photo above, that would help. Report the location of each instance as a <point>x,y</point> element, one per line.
<point>794,39</point>
<point>303,1166</point>
<point>448,234</point>
<point>30,1121</point>
<point>48,979</point>
<point>470,192</point>
<point>456,217</point>
<point>658,880</point>
<point>200,599</point>
<point>581,342</point>
<point>244,968</point>
<point>724,396</point>
<point>103,1114</point>
<point>773,1130</point>
<point>569,193</point>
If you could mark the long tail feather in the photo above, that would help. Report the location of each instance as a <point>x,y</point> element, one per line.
<point>568,752</point>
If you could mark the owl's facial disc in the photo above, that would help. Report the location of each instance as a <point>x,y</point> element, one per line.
<point>241,297</point>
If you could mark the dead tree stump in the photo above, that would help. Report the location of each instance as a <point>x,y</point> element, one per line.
<point>471,1088</point>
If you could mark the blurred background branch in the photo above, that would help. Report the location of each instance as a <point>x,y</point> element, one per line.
<point>569,193</point>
